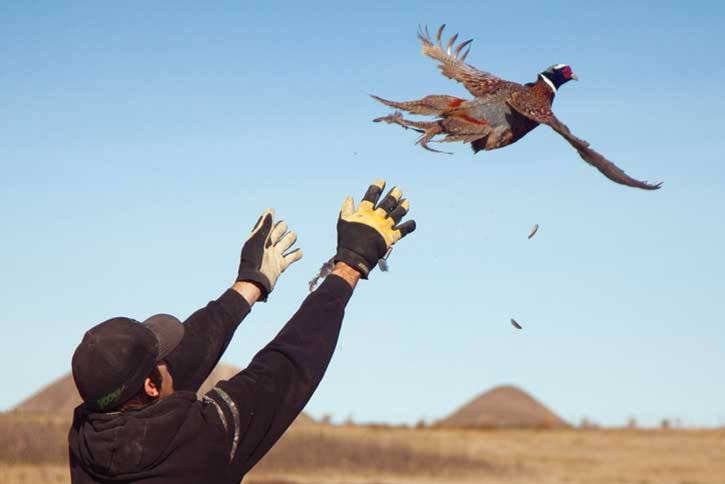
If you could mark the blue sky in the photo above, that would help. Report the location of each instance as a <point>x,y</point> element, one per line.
<point>140,143</point>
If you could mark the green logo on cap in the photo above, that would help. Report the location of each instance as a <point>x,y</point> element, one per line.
<point>106,400</point>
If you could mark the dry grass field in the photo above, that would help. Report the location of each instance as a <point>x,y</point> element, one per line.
<point>32,450</point>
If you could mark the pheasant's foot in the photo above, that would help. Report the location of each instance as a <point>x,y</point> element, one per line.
<point>395,118</point>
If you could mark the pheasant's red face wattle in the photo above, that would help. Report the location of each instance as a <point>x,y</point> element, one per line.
<point>568,73</point>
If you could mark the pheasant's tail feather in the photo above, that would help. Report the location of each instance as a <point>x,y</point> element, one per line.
<point>434,105</point>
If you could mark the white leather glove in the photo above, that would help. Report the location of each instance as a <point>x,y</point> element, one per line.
<point>263,256</point>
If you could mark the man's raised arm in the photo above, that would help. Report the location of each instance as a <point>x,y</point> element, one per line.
<point>208,331</point>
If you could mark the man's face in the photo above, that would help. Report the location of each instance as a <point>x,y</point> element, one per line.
<point>167,381</point>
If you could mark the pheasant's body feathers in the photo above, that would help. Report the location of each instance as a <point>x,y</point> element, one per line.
<point>501,112</point>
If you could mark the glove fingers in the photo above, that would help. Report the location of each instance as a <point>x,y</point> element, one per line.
<point>399,212</point>
<point>403,229</point>
<point>372,195</point>
<point>291,258</point>
<point>256,224</point>
<point>348,207</point>
<point>390,201</point>
<point>277,232</point>
<point>264,223</point>
<point>286,241</point>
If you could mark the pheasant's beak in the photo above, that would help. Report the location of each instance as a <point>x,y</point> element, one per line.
<point>574,77</point>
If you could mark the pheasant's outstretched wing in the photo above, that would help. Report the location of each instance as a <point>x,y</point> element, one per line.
<point>452,64</point>
<point>594,158</point>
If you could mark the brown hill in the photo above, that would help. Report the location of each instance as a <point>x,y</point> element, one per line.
<point>61,396</point>
<point>503,407</point>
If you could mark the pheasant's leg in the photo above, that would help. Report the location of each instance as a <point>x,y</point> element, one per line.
<point>428,135</point>
<point>397,118</point>
<point>428,128</point>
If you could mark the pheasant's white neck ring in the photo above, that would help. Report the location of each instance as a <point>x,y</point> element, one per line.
<point>548,82</point>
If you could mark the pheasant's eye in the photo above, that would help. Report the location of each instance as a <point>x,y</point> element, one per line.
<point>567,72</point>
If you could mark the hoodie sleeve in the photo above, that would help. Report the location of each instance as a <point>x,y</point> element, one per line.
<point>207,333</point>
<point>259,403</point>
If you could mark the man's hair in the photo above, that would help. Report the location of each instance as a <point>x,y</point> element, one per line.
<point>142,399</point>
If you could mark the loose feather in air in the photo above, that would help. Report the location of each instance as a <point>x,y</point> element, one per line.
<point>324,271</point>
<point>383,262</point>
<point>515,324</point>
<point>533,231</point>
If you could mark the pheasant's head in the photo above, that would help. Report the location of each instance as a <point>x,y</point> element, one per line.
<point>557,75</point>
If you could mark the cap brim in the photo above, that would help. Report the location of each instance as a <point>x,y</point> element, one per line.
<point>168,331</point>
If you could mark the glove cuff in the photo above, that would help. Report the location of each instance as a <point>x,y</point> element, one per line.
<point>354,260</point>
<point>253,275</point>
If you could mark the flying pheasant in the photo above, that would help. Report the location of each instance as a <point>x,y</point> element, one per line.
<point>501,112</point>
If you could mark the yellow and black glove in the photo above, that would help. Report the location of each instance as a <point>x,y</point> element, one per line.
<point>365,234</point>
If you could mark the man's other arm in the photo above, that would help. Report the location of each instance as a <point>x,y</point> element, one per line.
<point>263,400</point>
<point>265,255</point>
<point>207,333</point>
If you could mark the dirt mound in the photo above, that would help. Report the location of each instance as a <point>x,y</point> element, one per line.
<point>503,407</point>
<point>220,372</point>
<point>61,396</point>
<point>225,372</point>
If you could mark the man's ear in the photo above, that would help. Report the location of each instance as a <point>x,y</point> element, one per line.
<point>150,389</point>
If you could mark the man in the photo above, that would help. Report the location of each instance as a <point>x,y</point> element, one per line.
<point>141,420</point>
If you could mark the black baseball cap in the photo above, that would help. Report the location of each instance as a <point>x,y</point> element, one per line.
<point>116,356</point>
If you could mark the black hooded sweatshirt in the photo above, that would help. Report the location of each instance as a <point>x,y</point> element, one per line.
<point>220,438</point>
